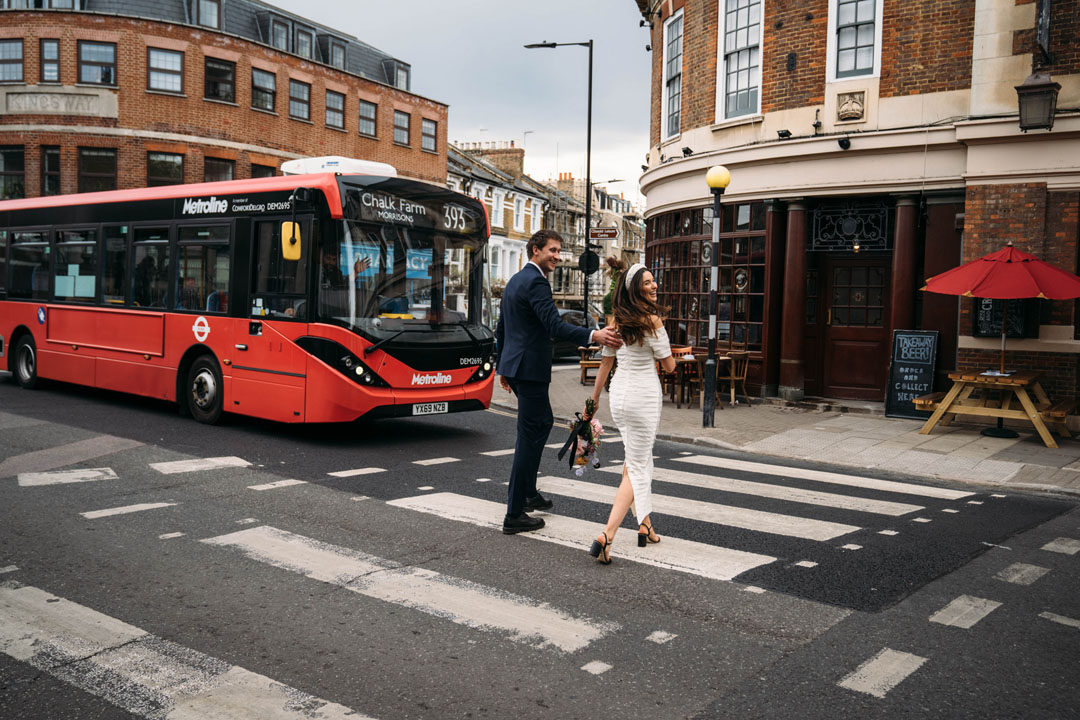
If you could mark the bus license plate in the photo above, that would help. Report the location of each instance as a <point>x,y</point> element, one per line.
<point>432,408</point>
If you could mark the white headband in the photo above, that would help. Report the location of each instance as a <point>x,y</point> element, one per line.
<point>634,270</point>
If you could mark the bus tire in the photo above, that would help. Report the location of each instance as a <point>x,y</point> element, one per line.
<point>204,390</point>
<point>24,363</point>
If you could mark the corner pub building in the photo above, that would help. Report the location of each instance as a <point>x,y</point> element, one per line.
<point>117,94</point>
<point>871,144</point>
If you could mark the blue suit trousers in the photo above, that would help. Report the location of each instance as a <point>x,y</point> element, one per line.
<point>534,422</point>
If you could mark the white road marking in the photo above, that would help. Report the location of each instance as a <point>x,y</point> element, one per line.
<point>996,495</point>
<point>921,520</point>
<point>436,461</point>
<point>596,667</point>
<point>1065,546</point>
<point>63,477</point>
<point>483,479</point>
<point>498,453</point>
<point>555,445</point>
<point>1021,574</point>
<point>1060,619</point>
<point>826,477</point>
<point>359,498</point>
<point>357,471</point>
<point>673,553</point>
<point>851,546</point>
<point>745,518</point>
<point>175,467</point>
<point>477,606</point>
<point>83,648</point>
<point>8,568</point>
<point>806,564</point>
<point>170,536</point>
<point>94,514</point>
<point>951,511</point>
<point>974,502</point>
<point>246,521</point>
<point>888,532</point>
<point>278,484</point>
<point>780,492</point>
<point>881,673</point>
<point>964,611</point>
<point>65,455</point>
<point>426,487</point>
<point>660,637</point>
<point>754,589</point>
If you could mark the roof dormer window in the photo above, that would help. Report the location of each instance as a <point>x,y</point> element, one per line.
<point>208,13</point>
<point>279,35</point>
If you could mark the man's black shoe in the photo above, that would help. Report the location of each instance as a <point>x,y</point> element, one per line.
<point>521,523</point>
<point>537,502</point>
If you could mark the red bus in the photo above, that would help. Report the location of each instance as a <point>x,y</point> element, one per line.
<point>303,298</point>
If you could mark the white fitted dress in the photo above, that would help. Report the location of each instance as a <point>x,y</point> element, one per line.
<point>636,398</point>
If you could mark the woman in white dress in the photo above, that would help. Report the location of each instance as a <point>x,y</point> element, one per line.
<point>636,398</point>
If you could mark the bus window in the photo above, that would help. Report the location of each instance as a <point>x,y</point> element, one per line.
<point>203,268</point>
<point>115,261</point>
<point>279,285</point>
<point>150,279</point>
<point>29,266</point>
<point>76,265</point>
<point>3,260</point>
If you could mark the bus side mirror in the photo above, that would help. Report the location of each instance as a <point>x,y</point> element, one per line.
<point>290,240</point>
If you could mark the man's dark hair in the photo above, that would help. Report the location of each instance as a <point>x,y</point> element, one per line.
<point>539,241</point>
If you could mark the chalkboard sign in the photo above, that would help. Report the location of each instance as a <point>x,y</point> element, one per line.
<point>911,372</point>
<point>1023,316</point>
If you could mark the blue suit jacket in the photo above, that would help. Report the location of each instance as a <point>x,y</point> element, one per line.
<point>528,321</point>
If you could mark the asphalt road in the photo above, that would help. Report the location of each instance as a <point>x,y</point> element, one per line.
<point>325,568</point>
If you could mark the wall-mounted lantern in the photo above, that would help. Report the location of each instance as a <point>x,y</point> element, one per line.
<point>1038,102</point>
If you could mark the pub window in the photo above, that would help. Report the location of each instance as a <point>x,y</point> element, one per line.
<point>97,63</point>
<point>337,55</point>
<point>165,70</point>
<point>202,265</point>
<point>217,169</point>
<point>742,57</point>
<point>11,61</point>
<point>367,118</point>
<point>673,53</point>
<point>97,169</point>
<point>401,127</point>
<point>279,35</point>
<point>262,171</point>
<point>209,13</point>
<point>114,265</point>
<point>76,265</point>
<point>164,169</point>
<point>50,170</point>
<point>855,37</point>
<point>335,109</point>
<point>50,61</point>
<point>29,266</point>
<point>150,278</point>
<point>305,43</point>
<point>428,134</point>
<point>299,100</point>
<point>12,172</point>
<point>263,89</point>
<point>219,80</point>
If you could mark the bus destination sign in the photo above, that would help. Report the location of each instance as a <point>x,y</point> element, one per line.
<point>383,207</point>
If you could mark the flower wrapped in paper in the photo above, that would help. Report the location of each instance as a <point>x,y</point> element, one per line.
<point>585,433</point>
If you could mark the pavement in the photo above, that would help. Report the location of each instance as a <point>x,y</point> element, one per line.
<point>848,434</point>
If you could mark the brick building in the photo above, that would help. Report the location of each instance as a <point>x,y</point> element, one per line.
<point>871,144</point>
<point>103,94</point>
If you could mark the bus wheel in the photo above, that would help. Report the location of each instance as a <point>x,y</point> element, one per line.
<point>26,363</point>
<point>204,390</point>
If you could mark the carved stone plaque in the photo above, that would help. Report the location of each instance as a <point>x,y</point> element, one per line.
<point>850,106</point>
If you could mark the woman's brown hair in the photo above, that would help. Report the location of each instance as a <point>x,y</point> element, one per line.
<point>634,311</point>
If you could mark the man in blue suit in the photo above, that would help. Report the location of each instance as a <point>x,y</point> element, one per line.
<point>528,321</point>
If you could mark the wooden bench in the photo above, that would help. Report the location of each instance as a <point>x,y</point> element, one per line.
<point>589,361</point>
<point>928,402</point>
<point>1060,410</point>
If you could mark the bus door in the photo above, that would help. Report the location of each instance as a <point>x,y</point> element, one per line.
<point>269,369</point>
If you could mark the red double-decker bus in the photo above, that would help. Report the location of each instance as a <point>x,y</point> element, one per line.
<point>304,298</point>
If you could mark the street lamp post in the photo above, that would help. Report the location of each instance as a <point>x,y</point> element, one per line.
<point>588,165</point>
<point>717,179</point>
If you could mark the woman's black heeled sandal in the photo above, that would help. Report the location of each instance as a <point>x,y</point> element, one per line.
<point>600,551</point>
<point>644,538</point>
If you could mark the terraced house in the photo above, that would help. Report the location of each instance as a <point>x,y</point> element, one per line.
<point>871,144</point>
<point>104,94</point>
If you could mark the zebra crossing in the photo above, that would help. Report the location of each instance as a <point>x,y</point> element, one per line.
<point>763,528</point>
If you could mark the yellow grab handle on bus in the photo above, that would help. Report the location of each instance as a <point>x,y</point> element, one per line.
<point>290,240</point>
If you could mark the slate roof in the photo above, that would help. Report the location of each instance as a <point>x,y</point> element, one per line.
<point>249,19</point>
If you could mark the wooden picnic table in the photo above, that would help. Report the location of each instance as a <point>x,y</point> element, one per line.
<point>995,395</point>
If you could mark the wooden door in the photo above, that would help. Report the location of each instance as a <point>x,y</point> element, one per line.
<point>856,328</point>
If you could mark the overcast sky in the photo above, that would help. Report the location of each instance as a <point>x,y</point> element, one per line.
<point>469,55</point>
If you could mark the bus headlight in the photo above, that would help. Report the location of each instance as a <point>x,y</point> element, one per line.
<point>487,367</point>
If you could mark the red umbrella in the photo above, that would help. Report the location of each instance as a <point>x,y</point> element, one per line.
<point>1006,274</point>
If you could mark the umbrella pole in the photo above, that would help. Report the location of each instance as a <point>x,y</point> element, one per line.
<point>1000,431</point>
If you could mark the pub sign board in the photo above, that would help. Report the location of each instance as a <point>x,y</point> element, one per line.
<point>911,372</point>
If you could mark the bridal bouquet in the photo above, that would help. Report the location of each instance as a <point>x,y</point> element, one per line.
<point>585,433</point>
